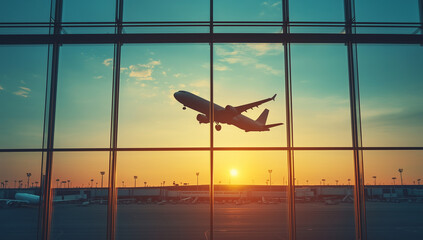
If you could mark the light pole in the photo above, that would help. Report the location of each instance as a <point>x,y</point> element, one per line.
<point>145,184</point>
<point>64,184</point>
<point>375,179</point>
<point>20,183</point>
<point>57,183</point>
<point>349,181</point>
<point>28,175</point>
<point>102,175</point>
<point>135,181</point>
<point>336,182</point>
<point>418,181</point>
<point>5,183</point>
<point>400,171</point>
<point>394,179</point>
<point>197,173</point>
<point>92,180</point>
<point>36,183</point>
<point>68,183</point>
<point>270,177</point>
<point>323,180</point>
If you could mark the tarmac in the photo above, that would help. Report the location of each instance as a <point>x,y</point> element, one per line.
<point>315,220</point>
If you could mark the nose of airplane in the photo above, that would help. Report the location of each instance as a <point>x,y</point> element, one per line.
<point>177,95</point>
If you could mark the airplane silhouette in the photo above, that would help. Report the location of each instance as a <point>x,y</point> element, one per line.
<point>229,115</point>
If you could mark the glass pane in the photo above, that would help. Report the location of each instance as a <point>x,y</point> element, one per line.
<point>250,195</point>
<point>84,96</point>
<point>393,194</point>
<point>390,94</point>
<point>19,195</point>
<point>166,10</point>
<point>150,115</point>
<point>163,195</point>
<point>311,10</point>
<point>25,11</point>
<point>387,11</point>
<point>22,95</point>
<point>252,10</point>
<point>320,95</point>
<point>243,75</point>
<point>79,199</point>
<point>324,198</point>
<point>89,11</point>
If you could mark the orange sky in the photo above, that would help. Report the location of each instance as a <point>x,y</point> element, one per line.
<point>178,166</point>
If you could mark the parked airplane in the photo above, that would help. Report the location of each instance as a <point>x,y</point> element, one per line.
<point>25,199</point>
<point>229,115</point>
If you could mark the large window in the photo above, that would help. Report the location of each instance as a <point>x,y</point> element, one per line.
<point>211,119</point>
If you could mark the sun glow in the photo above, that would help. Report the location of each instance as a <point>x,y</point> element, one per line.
<point>234,172</point>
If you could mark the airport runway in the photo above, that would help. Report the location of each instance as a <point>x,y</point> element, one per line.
<point>387,221</point>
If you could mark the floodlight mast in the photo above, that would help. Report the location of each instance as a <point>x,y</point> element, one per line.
<point>400,171</point>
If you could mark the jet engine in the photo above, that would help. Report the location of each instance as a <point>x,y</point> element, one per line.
<point>231,110</point>
<point>202,118</point>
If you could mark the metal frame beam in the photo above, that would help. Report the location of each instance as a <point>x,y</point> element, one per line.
<point>217,38</point>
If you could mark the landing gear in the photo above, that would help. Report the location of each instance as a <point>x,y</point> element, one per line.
<point>218,127</point>
<point>184,108</point>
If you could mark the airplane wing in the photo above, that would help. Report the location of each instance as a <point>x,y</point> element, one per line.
<point>245,107</point>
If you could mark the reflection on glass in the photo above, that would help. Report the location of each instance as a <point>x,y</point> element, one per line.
<point>320,95</point>
<point>387,11</point>
<point>243,75</point>
<point>390,95</point>
<point>80,193</point>
<point>166,10</point>
<point>250,195</point>
<point>20,183</point>
<point>84,96</point>
<point>163,195</point>
<point>322,11</point>
<point>22,95</point>
<point>324,197</point>
<point>394,194</point>
<point>252,10</point>
<point>149,114</point>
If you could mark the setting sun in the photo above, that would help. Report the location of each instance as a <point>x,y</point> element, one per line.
<point>234,172</point>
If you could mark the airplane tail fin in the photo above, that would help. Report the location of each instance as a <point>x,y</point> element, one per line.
<point>263,117</point>
<point>273,125</point>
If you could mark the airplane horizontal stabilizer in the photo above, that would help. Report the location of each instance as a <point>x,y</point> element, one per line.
<point>263,117</point>
<point>273,125</point>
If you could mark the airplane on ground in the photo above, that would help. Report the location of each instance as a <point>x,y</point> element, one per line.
<point>26,199</point>
<point>229,115</point>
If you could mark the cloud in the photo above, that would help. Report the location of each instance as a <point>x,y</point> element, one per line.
<point>23,92</point>
<point>248,54</point>
<point>98,77</point>
<point>268,69</point>
<point>260,49</point>
<point>270,4</point>
<point>177,75</point>
<point>164,73</point>
<point>107,62</point>
<point>142,75</point>
<point>220,67</point>
<point>256,49</point>
<point>1,88</point>
<point>143,72</point>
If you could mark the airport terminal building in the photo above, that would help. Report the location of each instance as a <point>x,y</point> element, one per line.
<point>211,119</point>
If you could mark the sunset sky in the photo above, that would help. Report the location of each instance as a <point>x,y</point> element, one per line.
<point>149,116</point>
